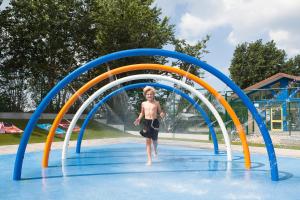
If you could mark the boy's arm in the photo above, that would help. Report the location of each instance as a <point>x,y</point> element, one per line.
<point>138,120</point>
<point>160,111</point>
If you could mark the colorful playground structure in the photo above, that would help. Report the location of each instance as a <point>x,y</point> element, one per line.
<point>145,52</point>
<point>9,128</point>
<point>60,131</point>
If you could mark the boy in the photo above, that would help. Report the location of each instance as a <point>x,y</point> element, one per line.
<point>150,109</point>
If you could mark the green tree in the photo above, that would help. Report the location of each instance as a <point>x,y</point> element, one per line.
<point>293,66</point>
<point>253,62</point>
<point>124,24</point>
<point>197,50</point>
<point>37,42</point>
<point>45,40</point>
<point>42,41</point>
<point>127,24</point>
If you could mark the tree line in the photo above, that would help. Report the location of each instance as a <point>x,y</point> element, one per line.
<point>42,41</point>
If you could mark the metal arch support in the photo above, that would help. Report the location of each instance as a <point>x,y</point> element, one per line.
<point>144,52</point>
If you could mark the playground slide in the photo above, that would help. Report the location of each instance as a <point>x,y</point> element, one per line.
<point>66,124</point>
<point>59,132</point>
<point>9,128</point>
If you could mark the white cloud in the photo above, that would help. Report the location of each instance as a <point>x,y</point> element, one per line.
<point>286,40</point>
<point>279,35</point>
<point>4,4</point>
<point>247,20</point>
<point>192,27</point>
<point>232,38</point>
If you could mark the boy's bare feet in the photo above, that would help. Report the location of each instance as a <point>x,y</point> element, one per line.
<point>149,163</point>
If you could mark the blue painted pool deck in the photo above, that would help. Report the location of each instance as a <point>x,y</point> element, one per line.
<point>118,171</point>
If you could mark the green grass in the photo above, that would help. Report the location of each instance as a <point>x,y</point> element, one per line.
<point>94,131</point>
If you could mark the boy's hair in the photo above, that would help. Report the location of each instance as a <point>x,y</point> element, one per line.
<point>148,88</point>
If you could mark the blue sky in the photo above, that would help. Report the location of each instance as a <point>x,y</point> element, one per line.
<point>231,22</point>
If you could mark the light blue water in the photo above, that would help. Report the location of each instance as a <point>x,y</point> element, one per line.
<point>119,172</point>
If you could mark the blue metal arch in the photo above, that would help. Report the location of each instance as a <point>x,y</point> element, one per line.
<point>144,52</point>
<point>139,85</point>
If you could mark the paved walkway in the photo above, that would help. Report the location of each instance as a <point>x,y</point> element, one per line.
<point>12,149</point>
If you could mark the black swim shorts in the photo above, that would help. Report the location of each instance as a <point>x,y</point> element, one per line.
<point>150,128</point>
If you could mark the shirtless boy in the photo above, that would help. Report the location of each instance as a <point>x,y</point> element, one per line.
<point>150,109</point>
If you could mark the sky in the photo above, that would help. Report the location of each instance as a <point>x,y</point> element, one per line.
<point>232,22</point>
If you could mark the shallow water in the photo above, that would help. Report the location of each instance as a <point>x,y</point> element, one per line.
<point>118,171</point>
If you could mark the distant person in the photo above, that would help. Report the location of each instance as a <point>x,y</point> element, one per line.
<point>150,109</point>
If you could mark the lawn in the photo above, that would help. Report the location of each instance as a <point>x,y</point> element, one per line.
<point>94,130</point>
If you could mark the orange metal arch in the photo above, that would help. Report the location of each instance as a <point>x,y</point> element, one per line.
<point>136,67</point>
